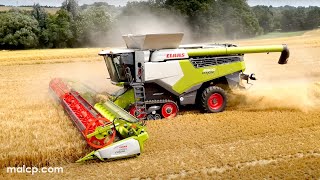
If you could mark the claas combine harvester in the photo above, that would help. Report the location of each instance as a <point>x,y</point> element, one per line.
<point>157,76</point>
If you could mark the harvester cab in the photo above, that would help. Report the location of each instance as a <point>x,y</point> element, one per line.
<point>158,74</point>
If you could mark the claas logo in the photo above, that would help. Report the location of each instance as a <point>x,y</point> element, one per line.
<point>177,55</point>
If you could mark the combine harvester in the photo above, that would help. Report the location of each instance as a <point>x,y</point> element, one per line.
<point>157,75</point>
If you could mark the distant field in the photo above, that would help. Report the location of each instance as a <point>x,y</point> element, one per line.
<point>280,34</point>
<point>48,56</point>
<point>49,10</point>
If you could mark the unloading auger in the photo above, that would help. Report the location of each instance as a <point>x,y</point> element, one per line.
<point>120,135</point>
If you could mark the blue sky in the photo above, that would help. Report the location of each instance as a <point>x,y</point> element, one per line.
<point>123,2</point>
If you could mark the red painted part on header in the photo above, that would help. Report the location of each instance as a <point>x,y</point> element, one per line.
<point>95,142</point>
<point>59,87</point>
<point>82,114</point>
<point>80,111</point>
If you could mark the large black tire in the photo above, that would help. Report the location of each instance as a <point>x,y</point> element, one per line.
<point>214,99</point>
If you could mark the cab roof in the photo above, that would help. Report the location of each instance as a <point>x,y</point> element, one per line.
<point>115,51</point>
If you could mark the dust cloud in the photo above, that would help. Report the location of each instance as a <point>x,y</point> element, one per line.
<point>285,96</point>
<point>147,22</point>
<point>293,86</point>
<point>82,76</point>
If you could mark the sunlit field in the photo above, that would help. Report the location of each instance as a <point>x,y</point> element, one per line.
<point>270,131</point>
<point>48,56</point>
<point>49,10</point>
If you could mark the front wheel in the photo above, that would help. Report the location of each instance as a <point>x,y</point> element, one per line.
<point>214,99</point>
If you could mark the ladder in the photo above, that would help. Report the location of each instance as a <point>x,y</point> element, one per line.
<point>139,98</point>
<point>139,95</point>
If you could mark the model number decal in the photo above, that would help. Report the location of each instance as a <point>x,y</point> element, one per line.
<point>121,149</point>
<point>208,71</point>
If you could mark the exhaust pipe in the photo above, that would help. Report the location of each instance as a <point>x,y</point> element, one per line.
<point>243,50</point>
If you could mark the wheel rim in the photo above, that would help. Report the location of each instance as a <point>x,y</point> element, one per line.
<point>150,117</point>
<point>215,101</point>
<point>133,112</point>
<point>169,110</point>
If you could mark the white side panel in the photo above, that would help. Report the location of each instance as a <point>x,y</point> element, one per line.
<point>168,72</point>
<point>168,54</point>
<point>122,149</point>
<point>142,56</point>
<point>146,56</point>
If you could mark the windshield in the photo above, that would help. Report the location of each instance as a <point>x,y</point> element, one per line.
<point>117,63</point>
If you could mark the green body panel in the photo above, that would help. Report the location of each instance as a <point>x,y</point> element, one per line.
<point>194,76</point>
<point>104,111</point>
<point>120,84</point>
<point>125,99</point>
<point>235,50</point>
<point>141,138</point>
<point>111,111</point>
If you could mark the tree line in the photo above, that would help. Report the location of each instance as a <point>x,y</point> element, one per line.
<point>91,25</point>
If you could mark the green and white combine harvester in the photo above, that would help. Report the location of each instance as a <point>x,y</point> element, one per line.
<point>157,76</point>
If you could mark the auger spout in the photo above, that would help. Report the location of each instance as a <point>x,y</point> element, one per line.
<point>243,50</point>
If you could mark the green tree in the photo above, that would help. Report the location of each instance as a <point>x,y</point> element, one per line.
<point>265,17</point>
<point>202,15</point>
<point>233,18</point>
<point>58,31</point>
<point>238,19</point>
<point>301,18</point>
<point>92,26</point>
<point>72,7</point>
<point>293,19</point>
<point>18,31</point>
<point>41,16</point>
<point>313,18</point>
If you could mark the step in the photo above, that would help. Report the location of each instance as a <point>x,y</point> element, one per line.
<point>140,103</point>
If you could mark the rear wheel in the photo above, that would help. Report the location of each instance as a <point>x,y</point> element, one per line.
<point>214,99</point>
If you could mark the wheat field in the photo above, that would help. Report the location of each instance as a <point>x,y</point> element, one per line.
<point>51,10</point>
<point>270,131</point>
